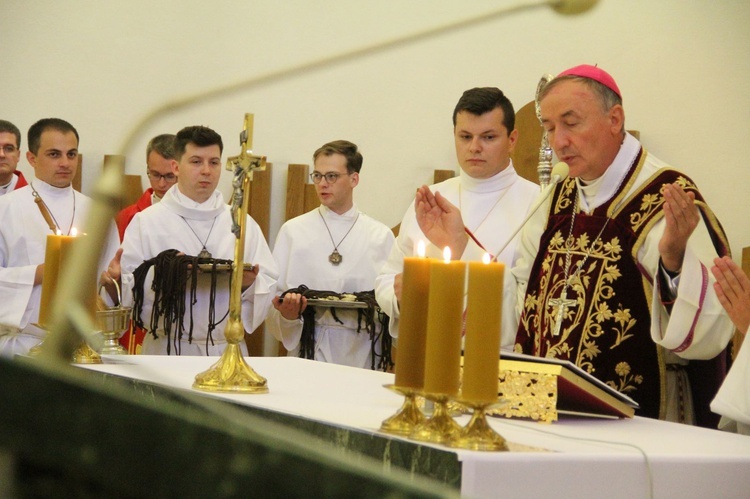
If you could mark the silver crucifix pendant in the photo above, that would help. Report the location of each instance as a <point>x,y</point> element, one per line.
<point>335,257</point>
<point>562,303</point>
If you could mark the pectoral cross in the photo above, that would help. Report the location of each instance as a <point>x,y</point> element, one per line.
<point>562,303</point>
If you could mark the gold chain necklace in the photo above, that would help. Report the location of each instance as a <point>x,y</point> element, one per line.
<point>563,302</point>
<point>335,258</point>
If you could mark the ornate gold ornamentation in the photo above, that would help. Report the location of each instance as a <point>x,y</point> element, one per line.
<point>529,395</point>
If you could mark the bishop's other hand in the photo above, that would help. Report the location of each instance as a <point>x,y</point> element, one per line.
<point>682,218</point>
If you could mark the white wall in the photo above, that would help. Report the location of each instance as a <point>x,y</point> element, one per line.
<point>682,65</point>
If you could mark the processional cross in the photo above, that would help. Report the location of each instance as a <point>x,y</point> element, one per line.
<point>231,373</point>
<point>562,303</point>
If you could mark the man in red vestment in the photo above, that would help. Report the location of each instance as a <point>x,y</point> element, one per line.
<point>10,152</point>
<point>159,159</point>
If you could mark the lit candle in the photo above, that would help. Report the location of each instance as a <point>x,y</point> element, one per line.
<point>446,303</point>
<point>483,319</point>
<point>59,250</point>
<point>49,277</point>
<point>412,328</point>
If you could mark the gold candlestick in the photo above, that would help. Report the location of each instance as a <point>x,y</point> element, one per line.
<point>84,354</point>
<point>231,373</point>
<point>440,428</point>
<point>408,417</point>
<point>477,434</point>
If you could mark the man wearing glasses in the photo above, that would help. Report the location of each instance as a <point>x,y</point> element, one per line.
<point>10,143</point>
<point>159,159</point>
<point>334,248</point>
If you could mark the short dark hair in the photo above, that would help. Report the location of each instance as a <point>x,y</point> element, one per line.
<point>347,149</point>
<point>163,145</point>
<point>36,130</point>
<point>482,100</point>
<point>8,127</point>
<point>199,135</point>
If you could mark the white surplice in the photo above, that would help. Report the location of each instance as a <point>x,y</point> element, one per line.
<point>179,223</point>
<point>23,240</point>
<point>733,399</point>
<point>491,209</point>
<point>301,250</point>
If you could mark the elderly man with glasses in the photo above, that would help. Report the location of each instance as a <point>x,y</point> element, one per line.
<point>159,159</point>
<point>332,250</point>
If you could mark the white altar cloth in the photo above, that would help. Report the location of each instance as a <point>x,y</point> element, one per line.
<point>589,458</point>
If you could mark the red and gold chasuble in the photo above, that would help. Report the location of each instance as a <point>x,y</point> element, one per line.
<point>605,321</point>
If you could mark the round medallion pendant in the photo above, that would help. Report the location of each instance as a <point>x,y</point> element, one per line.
<point>335,257</point>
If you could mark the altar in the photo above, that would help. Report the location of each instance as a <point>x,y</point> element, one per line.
<point>571,457</point>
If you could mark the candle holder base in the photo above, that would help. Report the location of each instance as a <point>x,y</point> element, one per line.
<point>408,417</point>
<point>477,434</point>
<point>441,427</point>
<point>231,374</point>
<point>84,354</point>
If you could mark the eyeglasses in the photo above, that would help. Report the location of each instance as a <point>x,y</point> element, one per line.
<point>9,149</point>
<point>330,177</point>
<point>169,177</point>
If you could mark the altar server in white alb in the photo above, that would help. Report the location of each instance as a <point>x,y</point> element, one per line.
<point>492,197</point>
<point>194,219</point>
<point>333,248</point>
<point>732,287</point>
<point>53,153</point>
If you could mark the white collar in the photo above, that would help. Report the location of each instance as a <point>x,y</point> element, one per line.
<point>50,191</point>
<point>187,208</point>
<point>497,182</point>
<point>350,214</point>
<point>602,189</point>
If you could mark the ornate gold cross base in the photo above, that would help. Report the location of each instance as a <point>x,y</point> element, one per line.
<point>408,417</point>
<point>231,374</point>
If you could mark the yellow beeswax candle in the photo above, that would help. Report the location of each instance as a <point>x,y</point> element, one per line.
<point>49,277</point>
<point>482,342</point>
<point>412,327</point>
<point>444,317</point>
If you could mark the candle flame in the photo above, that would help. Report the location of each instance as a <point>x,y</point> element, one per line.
<point>74,232</point>
<point>447,254</point>
<point>58,232</point>
<point>486,258</point>
<point>421,249</point>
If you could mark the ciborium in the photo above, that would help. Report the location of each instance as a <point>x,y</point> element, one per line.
<point>112,322</point>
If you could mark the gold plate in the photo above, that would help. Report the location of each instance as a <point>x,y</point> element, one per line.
<point>221,268</point>
<point>317,302</point>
